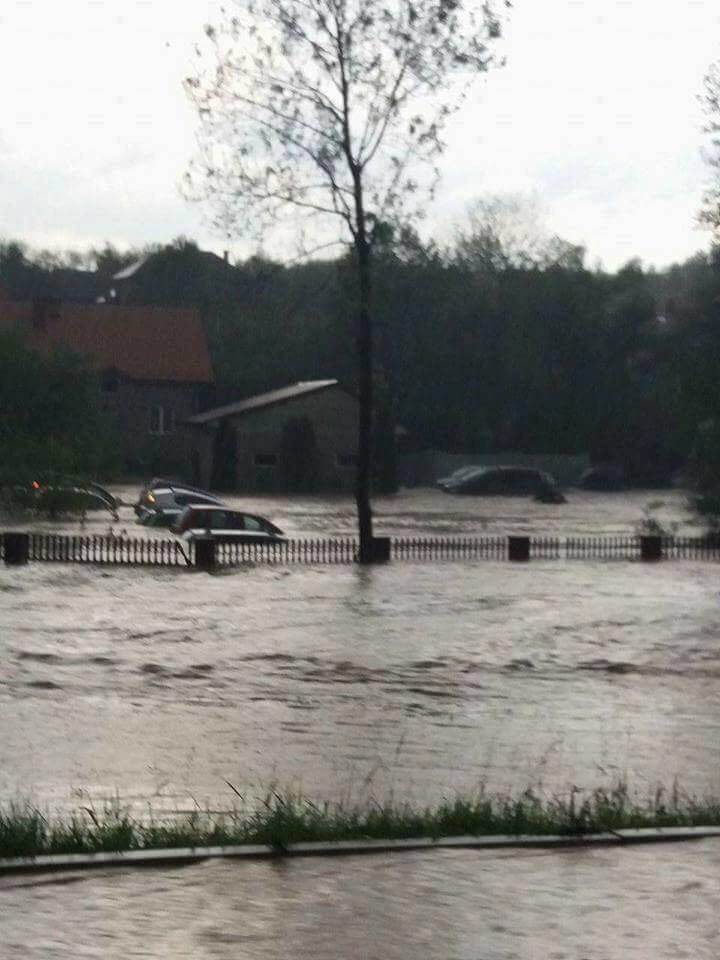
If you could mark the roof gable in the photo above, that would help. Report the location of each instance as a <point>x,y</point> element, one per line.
<point>143,343</point>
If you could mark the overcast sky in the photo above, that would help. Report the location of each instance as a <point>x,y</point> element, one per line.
<point>595,114</point>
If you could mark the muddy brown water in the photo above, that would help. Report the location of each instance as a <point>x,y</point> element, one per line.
<point>641,903</point>
<point>413,680</point>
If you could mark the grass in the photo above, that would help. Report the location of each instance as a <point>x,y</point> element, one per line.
<point>284,819</point>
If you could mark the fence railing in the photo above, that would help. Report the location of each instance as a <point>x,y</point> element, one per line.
<point>140,551</point>
<point>449,548</point>
<point>603,548</point>
<point>312,551</point>
<point>102,549</point>
<point>691,548</point>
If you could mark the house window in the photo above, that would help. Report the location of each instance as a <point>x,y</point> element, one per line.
<point>110,381</point>
<point>346,459</point>
<point>162,420</point>
<point>265,460</point>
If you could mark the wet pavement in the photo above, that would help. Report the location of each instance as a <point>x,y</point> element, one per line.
<point>636,903</point>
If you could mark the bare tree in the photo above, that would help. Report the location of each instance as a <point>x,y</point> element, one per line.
<point>710,99</point>
<point>506,231</point>
<point>324,117</point>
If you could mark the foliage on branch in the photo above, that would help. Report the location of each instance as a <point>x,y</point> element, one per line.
<point>710,99</point>
<point>307,99</point>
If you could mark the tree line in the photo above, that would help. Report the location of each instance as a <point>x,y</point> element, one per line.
<point>504,340</point>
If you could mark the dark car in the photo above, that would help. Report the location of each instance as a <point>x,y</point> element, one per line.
<point>62,495</point>
<point>608,478</point>
<point>507,482</point>
<point>162,501</point>
<point>225,525</point>
<point>451,479</point>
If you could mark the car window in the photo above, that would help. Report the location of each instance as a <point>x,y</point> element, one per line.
<point>207,519</point>
<point>252,523</point>
<point>188,496</point>
<point>200,498</point>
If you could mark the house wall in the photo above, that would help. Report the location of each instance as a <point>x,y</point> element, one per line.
<point>127,411</point>
<point>201,443</point>
<point>333,415</point>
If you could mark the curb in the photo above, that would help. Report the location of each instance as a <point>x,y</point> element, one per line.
<point>190,855</point>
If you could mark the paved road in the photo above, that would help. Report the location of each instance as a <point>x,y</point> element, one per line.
<point>638,903</point>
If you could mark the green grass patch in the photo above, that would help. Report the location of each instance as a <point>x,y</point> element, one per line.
<point>283,819</point>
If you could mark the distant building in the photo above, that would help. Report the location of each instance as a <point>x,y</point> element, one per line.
<point>174,275</point>
<point>301,438</point>
<point>153,365</point>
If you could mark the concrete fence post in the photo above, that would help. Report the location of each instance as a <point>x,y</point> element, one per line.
<point>381,550</point>
<point>651,548</point>
<point>205,553</point>
<point>519,549</point>
<point>17,548</point>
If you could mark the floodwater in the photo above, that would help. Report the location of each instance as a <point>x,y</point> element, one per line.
<point>412,680</point>
<point>426,512</point>
<point>635,903</point>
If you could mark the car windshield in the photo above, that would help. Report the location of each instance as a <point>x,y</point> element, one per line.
<point>161,498</point>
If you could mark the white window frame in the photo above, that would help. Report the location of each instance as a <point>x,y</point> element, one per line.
<point>165,420</point>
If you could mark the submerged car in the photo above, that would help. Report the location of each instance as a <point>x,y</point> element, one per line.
<point>507,482</point>
<point>456,476</point>
<point>608,478</point>
<point>162,501</point>
<point>225,525</point>
<point>62,495</point>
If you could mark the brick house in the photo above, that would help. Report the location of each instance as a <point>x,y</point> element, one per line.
<point>300,438</point>
<point>153,369</point>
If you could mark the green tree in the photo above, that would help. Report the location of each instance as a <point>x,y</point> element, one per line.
<point>327,109</point>
<point>48,422</point>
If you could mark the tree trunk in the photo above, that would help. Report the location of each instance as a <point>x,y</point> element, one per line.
<point>365,378</point>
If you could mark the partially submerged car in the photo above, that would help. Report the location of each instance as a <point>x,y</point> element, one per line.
<point>61,495</point>
<point>162,501</point>
<point>225,525</point>
<point>604,477</point>
<point>456,476</point>
<point>507,481</point>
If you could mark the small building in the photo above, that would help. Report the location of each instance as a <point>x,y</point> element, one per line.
<point>153,370</point>
<point>301,438</point>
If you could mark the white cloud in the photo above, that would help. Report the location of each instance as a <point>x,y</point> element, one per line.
<point>596,112</point>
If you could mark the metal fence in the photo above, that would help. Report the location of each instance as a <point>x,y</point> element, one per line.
<point>108,549</point>
<point>449,548</point>
<point>603,548</point>
<point>312,551</point>
<point>139,551</point>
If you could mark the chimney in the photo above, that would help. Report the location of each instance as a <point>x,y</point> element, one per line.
<point>45,309</point>
<point>226,256</point>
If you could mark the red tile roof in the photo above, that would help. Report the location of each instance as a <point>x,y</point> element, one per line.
<point>144,343</point>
